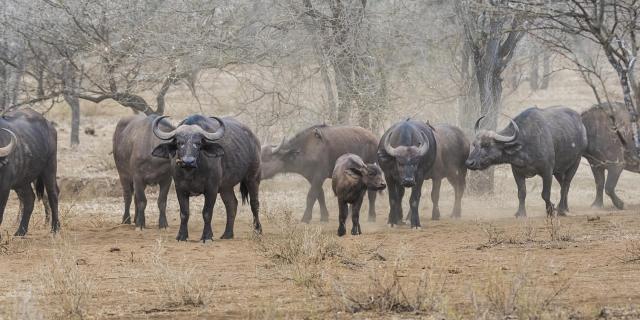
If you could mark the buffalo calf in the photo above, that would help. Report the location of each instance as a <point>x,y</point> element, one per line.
<point>350,180</point>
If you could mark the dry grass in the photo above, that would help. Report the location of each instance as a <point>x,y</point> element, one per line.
<point>65,283</point>
<point>393,292</point>
<point>299,251</point>
<point>177,282</point>
<point>632,252</point>
<point>557,231</point>
<point>517,296</point>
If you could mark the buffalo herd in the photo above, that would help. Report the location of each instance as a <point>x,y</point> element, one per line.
<point>210,156</point>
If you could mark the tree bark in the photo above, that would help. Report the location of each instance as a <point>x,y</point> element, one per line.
<point>71,83</point>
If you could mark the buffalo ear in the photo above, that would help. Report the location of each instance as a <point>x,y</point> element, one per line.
<point>512,148</point>
<point>164,150</point>
<point>212,150</point>
<point>354,172</point>
<point>383,156</point>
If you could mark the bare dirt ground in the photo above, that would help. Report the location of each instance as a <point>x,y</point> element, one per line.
<point>487,265</point>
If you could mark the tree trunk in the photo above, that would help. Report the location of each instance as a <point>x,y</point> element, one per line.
<point>534,72</point>
<point>344,86</point>
<point>546,70</point>
<point>71,82</point>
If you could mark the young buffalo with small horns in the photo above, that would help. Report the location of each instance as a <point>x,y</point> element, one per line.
<point>211,156</point>
<point>351,179</point>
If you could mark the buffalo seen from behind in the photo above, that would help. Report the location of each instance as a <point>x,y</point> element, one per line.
<point>544,142</point>
<point>411,152</point>
<point>133,143</point>
<point>350,180</point>
<point>28,154</point>
<point>605,151</point>
<point>211,156</point>
<point>313,152</point>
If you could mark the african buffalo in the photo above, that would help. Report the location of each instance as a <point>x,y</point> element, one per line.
<point>407,153</point>
<point>545,142</point>
<point>28,155</point>
<point>133,143</point>
<point>351,178</point>
<point>605,150</point>
<point>312,153</point>
<point>211,156</point>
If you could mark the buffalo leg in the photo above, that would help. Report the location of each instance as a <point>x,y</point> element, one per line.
<point>459,183</point>
<point>521,183</point>
<point>414,203</point>
<point>399,212</point>
<point>371,194</point>
<point>20,207</point>
<point>435,198</point>
<point>141,203</point>
<point>183,201</point>
<point>162,203</point>
<point>613,174</point>
<point>547,180</point>
<point>324,213</point>
<point>355,216</point>
<point>254,202</point>
<point>396,192</point>
<point>207,216</point>
<point>312,195</point>
<point>52,191</point>
<point>343,212</point>
<point>4,197</point>
<point>564,188</point>
<point>560,178</point>
<point>47,208</point>
<point>231,205</point>
<point>127,194</point>
<point>26,194</point>
<point>598,175</point>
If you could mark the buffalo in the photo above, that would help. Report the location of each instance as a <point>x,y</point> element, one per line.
<point>407,153</point>
<point>605,151</point>
<point>545,142</point>
<point>133,143</point>
<point>211,156</point>
<point>28,154</point>
<point>351,178</point>
<point>312,153</point>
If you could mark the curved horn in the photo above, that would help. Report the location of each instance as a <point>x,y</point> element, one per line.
<point>162,135</point>
<point>211,136</point>
<point>5,151</point>
<point>278,147</point>
<point>507,139</point>
<point>477,125</point>
<point>388,148</point>
<point>424,146</point>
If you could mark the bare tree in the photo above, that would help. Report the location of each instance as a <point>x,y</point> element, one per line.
<point>490,41</point>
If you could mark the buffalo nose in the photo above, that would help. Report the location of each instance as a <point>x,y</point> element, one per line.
<point>188,162</point>
<point>407,183</point>
<point>470,163</point>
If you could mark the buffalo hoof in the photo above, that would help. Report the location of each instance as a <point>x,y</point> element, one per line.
<point>257,228</point>
<point>341,230</point>
<point>20,233</point>
<point>126,220</point>
<point>416,228</point>
<point>433,217</point>
<point>227,235</point>
<point>619,204</point>
<point>456,216</point>
<point>305,219</point>
<point>163,225</point>
<point>521,214</point>
<point>562,213</point>
<point>355,230</point>
<point>597,205</point>
<point>182,236</point>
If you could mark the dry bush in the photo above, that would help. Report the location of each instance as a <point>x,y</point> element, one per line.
<point>516,296</point>
<point>632,252</point>
<point>557,232</point>
<point>66,285</point>
<point>393,292</point>
<point>177,282</point>
<point>298,250</point>
<point>20,304</point>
